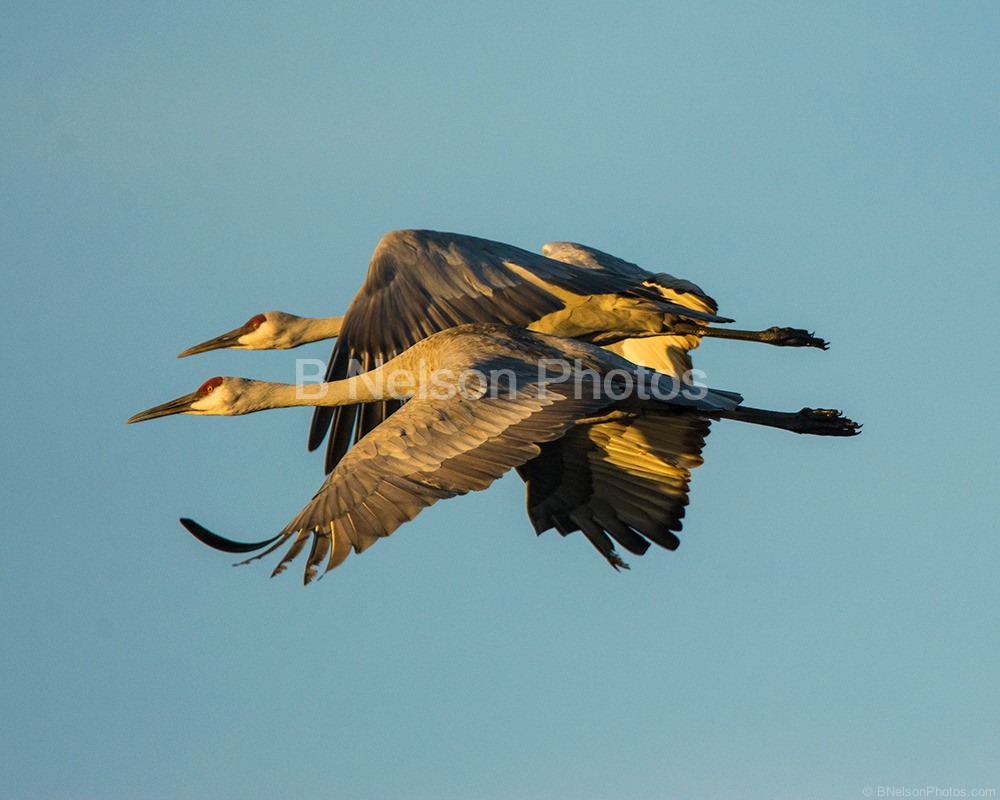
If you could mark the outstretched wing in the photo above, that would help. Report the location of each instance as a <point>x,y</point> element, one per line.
<point>678,290</point>
<point>422,282</point>
<point>429,450</point>
<point>625,480</point>
<point>666,354</point>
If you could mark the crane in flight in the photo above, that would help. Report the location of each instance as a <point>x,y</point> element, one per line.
<point>486,398</point>
<point>421,282</point>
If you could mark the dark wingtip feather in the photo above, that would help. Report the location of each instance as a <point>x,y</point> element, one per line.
<point>319,426</point>
<point>341,436</point>
<point>216,542</point>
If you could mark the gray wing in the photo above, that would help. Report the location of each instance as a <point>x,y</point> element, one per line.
<point>625,480</point>
<point>667,354</point>
<point>428,450</point>
<point>422,282</point>
<point>677,290</point>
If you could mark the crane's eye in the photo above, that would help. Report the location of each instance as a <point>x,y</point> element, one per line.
<point>209,386</point>
<point>255,322</point>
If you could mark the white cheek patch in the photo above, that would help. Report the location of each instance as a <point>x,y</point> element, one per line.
<point>203,405</point>
<point>213,404</point>
<point>260,339</point>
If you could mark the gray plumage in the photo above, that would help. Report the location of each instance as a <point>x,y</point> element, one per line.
<point>435,448</point>
<point>610,457</point>
<point>423,282</point>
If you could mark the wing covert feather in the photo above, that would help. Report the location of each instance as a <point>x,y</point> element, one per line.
<point>429,450</point>
<point>626,478</point>
<point>421,282</point>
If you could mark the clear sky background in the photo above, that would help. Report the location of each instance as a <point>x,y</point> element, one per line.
<point>830,621</point>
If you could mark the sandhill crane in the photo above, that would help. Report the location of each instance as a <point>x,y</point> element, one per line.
<point>487,398</point>
<point>421,282</point>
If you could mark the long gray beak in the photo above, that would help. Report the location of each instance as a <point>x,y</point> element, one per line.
<point>226,340</point>
<point>178,406</point>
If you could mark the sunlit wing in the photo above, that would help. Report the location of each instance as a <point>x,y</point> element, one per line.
<point>428,450</point>
<point>666,354</point>
<point>625,480</point>
<point>422,282</point>
<point>679,290</point>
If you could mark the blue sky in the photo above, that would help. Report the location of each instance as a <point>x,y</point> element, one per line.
<point>830,620</point>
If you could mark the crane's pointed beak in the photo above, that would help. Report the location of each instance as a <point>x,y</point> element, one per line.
<point>178,406</point>
<point>231,339</point>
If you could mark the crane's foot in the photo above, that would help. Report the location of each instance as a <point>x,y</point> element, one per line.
<point>615,561</point>
<point>792,337</point>
<point>823,422</point>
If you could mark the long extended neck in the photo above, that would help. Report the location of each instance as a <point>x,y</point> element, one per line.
<point>378,384</point>
<point>315,329</point>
